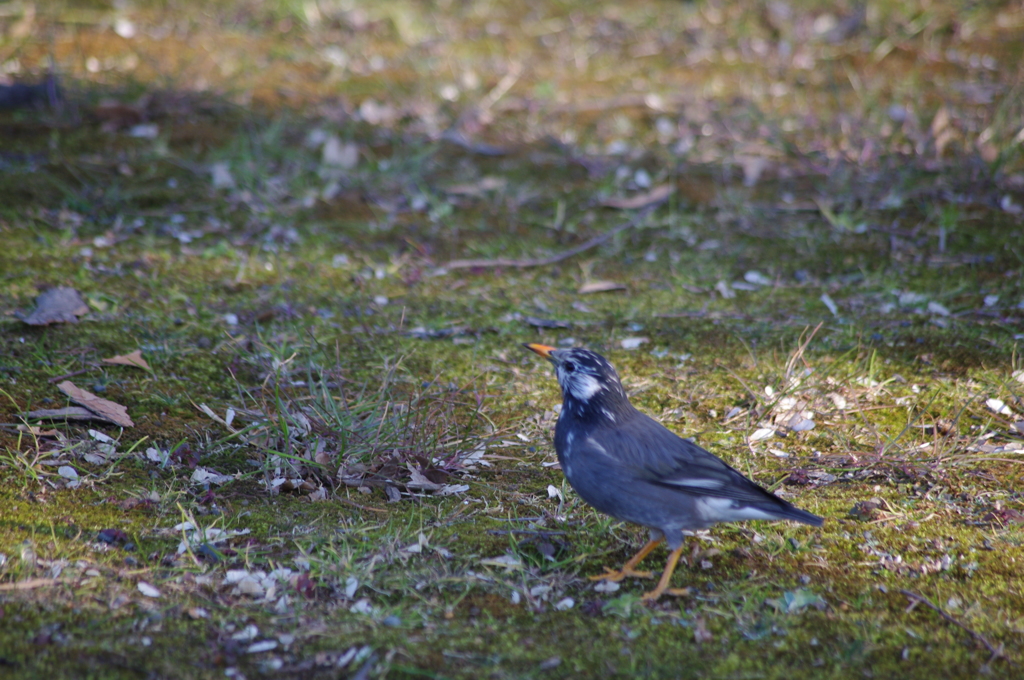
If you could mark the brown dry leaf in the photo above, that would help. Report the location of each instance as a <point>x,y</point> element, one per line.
<point>109,410</point>
<point>37,431</point>
<point>600,287</point>
<point>940,122</point>
<point>655,195</point>
<point>57,305</point>
<point>134,359</point>
<point>417,480</point>
<point>69,413</point>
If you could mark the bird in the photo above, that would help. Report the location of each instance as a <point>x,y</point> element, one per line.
<point>628,465</point>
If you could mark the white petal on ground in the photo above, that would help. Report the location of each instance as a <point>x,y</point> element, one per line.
<point>221,174</point>
<point>361,607</point>
<point>801,424</point>
<point>757,278</point>
<point>263,646</point>
<point>828,302</point>
<point>632,343</point>
<point>761,433</point>
<point>247,634</point>
<point>995,405</point>
<point>340,154</point>
<point>148,590</point>
<point>725,290</point>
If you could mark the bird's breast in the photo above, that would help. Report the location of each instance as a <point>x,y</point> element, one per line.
<point>565,441</point>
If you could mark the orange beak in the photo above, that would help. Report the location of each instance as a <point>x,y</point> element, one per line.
<point>543,350</point>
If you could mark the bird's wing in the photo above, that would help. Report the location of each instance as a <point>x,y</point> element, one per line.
<point>649,451</point>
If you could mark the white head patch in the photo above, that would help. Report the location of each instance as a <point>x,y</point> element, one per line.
<point>582,386</point>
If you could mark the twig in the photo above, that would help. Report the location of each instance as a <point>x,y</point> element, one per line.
<point>72,374</point>
<point>565,255</point>
<point>506,532</point>
<point>502,88</point>
<point>996,652</point>
<point>30,584</point>
<point>801,348</point>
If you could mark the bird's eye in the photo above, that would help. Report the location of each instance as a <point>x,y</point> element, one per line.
<point>569,366</point>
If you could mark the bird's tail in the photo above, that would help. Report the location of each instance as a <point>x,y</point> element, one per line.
<point>797,515</point>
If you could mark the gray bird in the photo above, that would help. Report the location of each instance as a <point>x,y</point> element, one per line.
<point>631,467</point>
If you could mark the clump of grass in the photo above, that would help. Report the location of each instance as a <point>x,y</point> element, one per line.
<point>25,458</point>
<point>311,425</point>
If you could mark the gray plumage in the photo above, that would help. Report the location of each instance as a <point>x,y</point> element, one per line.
<point>631,467</point>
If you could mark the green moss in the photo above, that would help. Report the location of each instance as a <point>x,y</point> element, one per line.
<point>842,208</point>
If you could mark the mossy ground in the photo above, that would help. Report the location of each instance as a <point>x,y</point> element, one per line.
<point>819,156</point>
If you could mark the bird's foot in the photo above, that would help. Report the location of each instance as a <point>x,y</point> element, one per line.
<point>653,595</point>
<point>616,575</point>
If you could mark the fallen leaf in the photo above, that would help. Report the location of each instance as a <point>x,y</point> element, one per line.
<point>134,359</point>
<point>998,406</point>
<point>57,305</point>
<point>655,195</point>
<point>205,476</point>
<point>417,480</point>
<point>600,287</point>
<point>37,431</point>
<point>105,408</point>
<point>68,472</point>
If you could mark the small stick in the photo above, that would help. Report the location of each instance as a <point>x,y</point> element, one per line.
<point>915,599</point>
<point>29,584</point>
<point>565,255</point>
<point>72,374</point>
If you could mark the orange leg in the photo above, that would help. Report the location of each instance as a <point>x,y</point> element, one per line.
<point>666,576</point>
<point>627,568</point>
